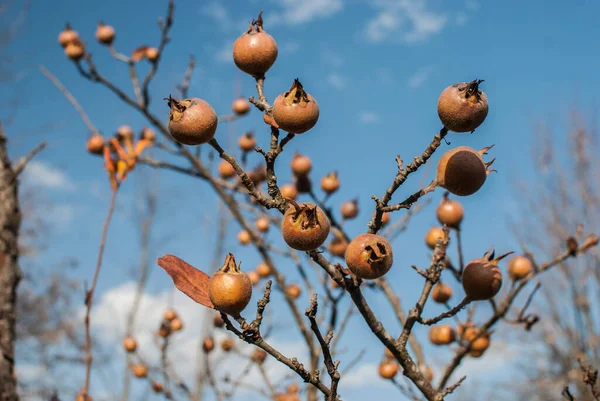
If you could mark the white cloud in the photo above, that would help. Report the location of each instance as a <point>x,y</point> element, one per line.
<point>224,54</point>
<point>368,117</point>
<point>109,319</point>
<point>45,175</point>
<point>411,20</point>
<point>336,80</point>
<point>220,15</point>
<point>420,76</point>
<point>300,12</point>
<point>365,373</point>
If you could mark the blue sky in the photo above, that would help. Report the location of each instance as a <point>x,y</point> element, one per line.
<point>375,67</point>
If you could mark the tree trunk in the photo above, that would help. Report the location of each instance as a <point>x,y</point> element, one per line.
<point>10,274</point>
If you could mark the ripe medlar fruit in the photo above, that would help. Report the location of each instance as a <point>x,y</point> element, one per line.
<point>129,344</point>
<point>450,212</point>
<point>208,344</point>
<point>263,270</point>
<point>254,277</point>
<point>192,121</point>
<point>337,246</point>
<point>369,256</point>
<point>255,51</point>
<point>176,324</point>
<point>152,54</point>
<point>304,226</point>
<point>230,289</point>
<point>227,345</point>
<point>462,170</point>
<point>240,106</point>
<point>247,141</point>
<point>388,369</point>
<point>169,314</point>
<point>157,387</point>
<point>259,356</point>
<point>75,50</point>
<point>301,165</point>
<point>441,293</point>
<point>67,36</point>
<point>139,370</point>
<point>482,278</point>
<point>244,237</point>
<point>330,183</point>
<point>289,191</point>
<point>432,236</point>
<point>294,290</point>
<point>226,170</point>
<point>262,224</point>
<point>95,144</point>
<point>349,209</point>
<point>105,34</point>
<point>463,107</point>
<point>519,267</point>
<point>218,321</point>
<point>295,111</point>
<point>442,334</point>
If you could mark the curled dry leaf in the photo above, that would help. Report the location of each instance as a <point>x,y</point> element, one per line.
<point>270,121</point>
<point>189,280</point>
<point>139,53</point>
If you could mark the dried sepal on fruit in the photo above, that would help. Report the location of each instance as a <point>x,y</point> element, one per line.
<point>519,267</point>
<point>230,289</point>
<point>441,293</point>
<point>463,107</point>
<point>330,183</point>
<point>304,226</point>
<point>462,170</point>
<point>450,212</point>
<point>191,121</point>
<point>255,51</point>
<point>105,34</point>
<point>369,256</point>
<point>295,111</point>
<point>482,278</point>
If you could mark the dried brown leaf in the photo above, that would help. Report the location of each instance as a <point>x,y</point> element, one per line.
<point>139,53</point>
<point>189,280</point>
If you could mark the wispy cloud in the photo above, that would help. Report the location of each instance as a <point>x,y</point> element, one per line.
<point>420,76</point>
<point>220,15</point>
<point>368,117</point>
<point>410,20</point>
<point>47,176</point>
<point>224,54</point>
<point>336,80</point>
<point>299,12</point>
